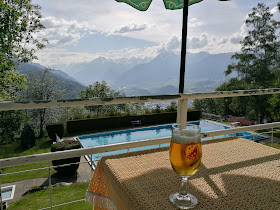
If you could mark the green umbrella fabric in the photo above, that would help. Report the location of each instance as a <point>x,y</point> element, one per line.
<point>143,5</point>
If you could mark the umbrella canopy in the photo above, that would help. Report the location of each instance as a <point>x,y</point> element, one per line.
<point>143,5</point>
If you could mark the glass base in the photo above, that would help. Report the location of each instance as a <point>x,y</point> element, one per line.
<point>187,201</point>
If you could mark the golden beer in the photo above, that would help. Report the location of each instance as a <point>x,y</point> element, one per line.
<point>185,158</point>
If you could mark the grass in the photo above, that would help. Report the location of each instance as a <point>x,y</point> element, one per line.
<point>274,145</point>
<point>15,150</point>
<point>60,194</point>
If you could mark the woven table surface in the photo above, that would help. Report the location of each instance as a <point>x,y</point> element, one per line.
<point>234,174</point>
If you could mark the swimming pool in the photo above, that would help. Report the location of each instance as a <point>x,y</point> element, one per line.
<point>7,193</point>
<point>153,132</point>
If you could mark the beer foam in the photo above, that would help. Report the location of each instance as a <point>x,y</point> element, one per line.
<point>185,136</point>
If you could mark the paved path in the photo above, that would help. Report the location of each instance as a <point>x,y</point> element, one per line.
<point>84,174</point>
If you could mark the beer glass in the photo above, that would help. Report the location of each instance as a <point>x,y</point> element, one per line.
<point>185,157</point>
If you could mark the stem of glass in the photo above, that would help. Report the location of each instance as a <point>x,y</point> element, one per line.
<point>183,194</point>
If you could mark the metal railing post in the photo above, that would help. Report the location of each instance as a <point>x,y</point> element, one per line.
<point>182,111</point>
<point>91,165</point>
<point>50,183</point>
<point>271,137</point>
<point>1,201</point>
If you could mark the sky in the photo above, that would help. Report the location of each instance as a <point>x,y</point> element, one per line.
<point>80,31</point>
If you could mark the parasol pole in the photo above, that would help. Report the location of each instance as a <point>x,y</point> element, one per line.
<point>183,104</point>
<point>184,46</point>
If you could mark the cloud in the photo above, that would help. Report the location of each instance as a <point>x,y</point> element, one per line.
<point>214,27</point>
<point>194,22</point>
<point>61,32</point>
<point>236,38</point>
<point>198,42</point>
<point>222,41</point>
<point>173,44</point>
<point>275,10</point>
<point>56,57</point>
<point>276,13</point>
<point>130,28</point>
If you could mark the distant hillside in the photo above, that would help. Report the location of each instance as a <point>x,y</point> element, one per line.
<point>134,91</point>
<point>71,86</point>
<point>140,75</point>
<point>169,89</point>
<point>102,68</point>
<point>165,67</point>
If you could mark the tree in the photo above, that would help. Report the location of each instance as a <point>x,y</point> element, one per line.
<point>207,105</point>
<point>102,90</point>
<point>236,106</point>
<point>258,63</point>
<point>19,21</point>
<point>259,57</point>
<point>73,113</point>
<point>10,125</point>
<point>135,109</point>
<point>42,87</point>
<point>172,107</point>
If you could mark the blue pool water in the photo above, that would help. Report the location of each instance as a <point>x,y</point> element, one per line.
<point>6,194</point>
<point>152,132</point>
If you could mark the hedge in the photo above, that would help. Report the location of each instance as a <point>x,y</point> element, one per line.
<point>53,129</point>
<point>92,124</point>
<point>66,145</point>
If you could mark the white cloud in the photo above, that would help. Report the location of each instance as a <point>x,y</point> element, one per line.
<point>194,22</point>
<point>130,28</point>
<point>236,38</point>
<point>61,32</point>
<point>275,10</point>
<point>173,44</point>
<point>214,27</point>
<point>198,42</point>
<point>56,57</point>
<point>276,13</point>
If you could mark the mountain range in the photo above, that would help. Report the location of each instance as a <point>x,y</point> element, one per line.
<point>137,76</point>
<point>160,75</point>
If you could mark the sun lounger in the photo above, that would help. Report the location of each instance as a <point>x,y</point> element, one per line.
<point>136,122</point>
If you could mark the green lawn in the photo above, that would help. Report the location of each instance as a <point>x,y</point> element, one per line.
<point>60,194</point>
<point>15,150</point>
<point>275,145</point>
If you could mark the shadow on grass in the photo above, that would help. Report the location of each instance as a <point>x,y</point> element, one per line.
<point>46,144</point>
<point>58,178</point>
<point>11,150</point>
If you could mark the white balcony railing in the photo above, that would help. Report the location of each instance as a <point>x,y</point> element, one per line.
<point>181,120</point>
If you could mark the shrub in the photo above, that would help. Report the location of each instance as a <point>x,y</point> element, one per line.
<point>66,145</point>
<point>10,126</point>
<point>53,129</point>
<point>101,123</point>
<point>27,137</point>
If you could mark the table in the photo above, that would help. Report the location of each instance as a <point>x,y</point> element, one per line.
<point>234,174</point>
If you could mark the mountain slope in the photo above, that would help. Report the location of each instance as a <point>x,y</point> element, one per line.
<point>163,68</point>
<point>136,75</point>
<point>101,68</point>
<point>71,86</point>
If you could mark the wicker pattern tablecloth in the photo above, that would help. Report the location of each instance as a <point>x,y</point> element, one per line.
<point>234,174</point>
